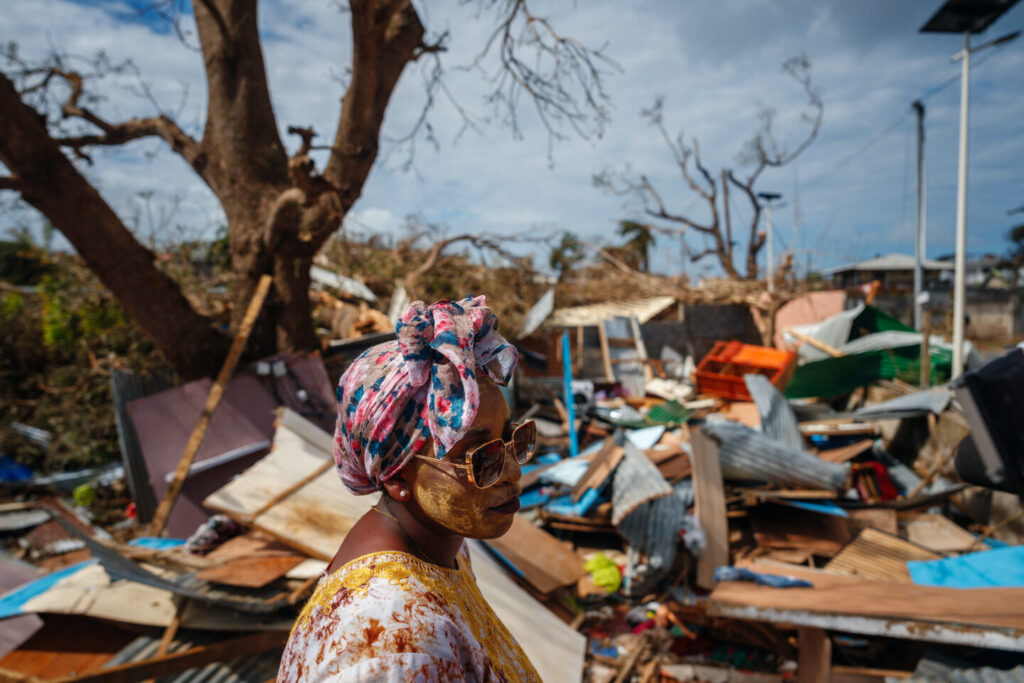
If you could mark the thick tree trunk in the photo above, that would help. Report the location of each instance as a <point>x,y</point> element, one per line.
<point>50,183</point>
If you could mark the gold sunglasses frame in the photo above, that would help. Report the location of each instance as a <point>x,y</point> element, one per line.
<point>468,465</point>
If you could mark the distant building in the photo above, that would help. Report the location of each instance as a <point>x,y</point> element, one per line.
<point>894,271</point>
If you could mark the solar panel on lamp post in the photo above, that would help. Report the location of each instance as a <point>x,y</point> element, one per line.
<point>967,17</point>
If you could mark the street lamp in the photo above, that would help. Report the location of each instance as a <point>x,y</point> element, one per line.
<point>768,198</point>
<point>958,16</point>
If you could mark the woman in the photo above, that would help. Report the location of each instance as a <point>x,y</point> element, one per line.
<point>421,420</point>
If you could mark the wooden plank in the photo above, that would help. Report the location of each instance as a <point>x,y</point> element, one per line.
<point>883,519</point>
<point>600,468</point>
<point>845,453</point>
<point>820,345</point>
<point>252,572</point>
<point>709,501</point>
<point>815,662</point>
<point>779,527</point>
<point>875,554</point>
<point>545,562</point>
<point>163,511</point>
<point>605,353</point>
<point>183,661</point>
<point>838,594</point>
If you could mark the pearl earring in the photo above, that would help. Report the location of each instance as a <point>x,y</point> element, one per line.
<point>402,494</point>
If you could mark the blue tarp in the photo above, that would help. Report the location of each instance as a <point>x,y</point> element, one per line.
<point>999,568</point>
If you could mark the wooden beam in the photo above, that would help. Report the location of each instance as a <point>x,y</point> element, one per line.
<point>163,511</point>
<point>183,661</point>
<point>602,335</point>
<point>709,501</point>
<point>815,662</point>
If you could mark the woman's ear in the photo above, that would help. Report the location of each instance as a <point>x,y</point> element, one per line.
<point>398,487</point>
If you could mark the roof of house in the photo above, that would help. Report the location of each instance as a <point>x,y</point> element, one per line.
<point>890,262</point>
<point>592,314</point>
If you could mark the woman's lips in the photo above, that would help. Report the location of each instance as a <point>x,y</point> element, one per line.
<point>509,507</point>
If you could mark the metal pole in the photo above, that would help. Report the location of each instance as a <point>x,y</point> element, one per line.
<point>570,404</point>
<point>959,281</point>
<point>919,224</point>
<point>770,269</point>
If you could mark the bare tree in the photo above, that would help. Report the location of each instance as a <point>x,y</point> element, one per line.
<point>762,151</point>
<point>280,208</point>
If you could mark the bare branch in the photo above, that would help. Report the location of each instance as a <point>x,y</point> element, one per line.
<point>10,182</point>
<point>560,66</point>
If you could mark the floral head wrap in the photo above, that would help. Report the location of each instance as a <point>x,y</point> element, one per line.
<point>422,386</point>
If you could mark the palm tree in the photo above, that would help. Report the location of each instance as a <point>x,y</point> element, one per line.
<point>567,254</point>
<point>639,240</point>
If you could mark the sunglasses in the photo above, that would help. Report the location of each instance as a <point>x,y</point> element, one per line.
<point>485,464</point>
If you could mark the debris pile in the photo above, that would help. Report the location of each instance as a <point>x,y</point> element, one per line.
<point>686,518</point>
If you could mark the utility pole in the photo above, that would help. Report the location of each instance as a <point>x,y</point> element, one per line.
<point>960,261</point>
<point>919,223</point>
<point>768,198</point>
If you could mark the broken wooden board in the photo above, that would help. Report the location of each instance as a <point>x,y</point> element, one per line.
<point>252,560</point>
<point>874,554</point>
<point>777,527</point>
<point>883,519</point>
<point>293,493</point>
<point>836,594</point>
<point>941,534</point>
<point>845,453</point>
<point>545,562</point>
<point>709,501</point>
<point>601,467</point>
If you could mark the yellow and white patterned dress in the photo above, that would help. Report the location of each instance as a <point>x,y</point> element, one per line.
<point>389,616</point>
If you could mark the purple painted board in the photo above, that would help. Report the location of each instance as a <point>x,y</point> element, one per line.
<point>239,433</point>
<point>164,423</point>
<point>16,630</point>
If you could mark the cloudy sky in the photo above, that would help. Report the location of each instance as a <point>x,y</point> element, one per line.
<point>715,62</point>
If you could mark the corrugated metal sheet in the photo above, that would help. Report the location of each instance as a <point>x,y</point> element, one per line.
<point>636,481</point>
<point>251,669</point>
<point>932,401</point>
<point>834,331</point>
<point>941,674</point>
<point>747,454</point>
<point>538,313</point>
<point>592,314</point>
<point>778,421</point>
<point>647,515</point>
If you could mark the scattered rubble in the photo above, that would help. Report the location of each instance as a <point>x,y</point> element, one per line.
<point>686,518</point>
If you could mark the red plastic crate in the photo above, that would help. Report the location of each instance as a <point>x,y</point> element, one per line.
<point>720,373</point>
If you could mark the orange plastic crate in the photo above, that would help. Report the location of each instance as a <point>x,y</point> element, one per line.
<point>720,373</point>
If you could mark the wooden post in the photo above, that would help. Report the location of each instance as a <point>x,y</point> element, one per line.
<point>709,501</point>
<point>926,358</point>
<point>163,511</point>
<point>815,659</point>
